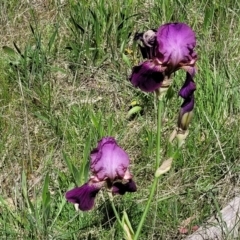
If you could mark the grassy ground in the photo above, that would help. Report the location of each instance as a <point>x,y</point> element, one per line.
<point>64,84</point>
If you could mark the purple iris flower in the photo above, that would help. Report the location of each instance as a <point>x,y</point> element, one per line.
<point>109,167</point>
<point>167,50</point>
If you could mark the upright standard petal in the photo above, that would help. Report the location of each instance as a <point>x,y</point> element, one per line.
<point>84,196</point>
<point>175,45</point>
<point>108,160</point>
<point>148,76</point>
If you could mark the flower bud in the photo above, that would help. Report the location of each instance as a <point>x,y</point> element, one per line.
<point>184,120</point>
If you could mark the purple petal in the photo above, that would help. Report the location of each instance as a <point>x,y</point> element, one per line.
<point>188,87</point>
<point>175,44</point>
<point>108,160</point>
<point>190,69</point>
<point>84,196</point>
<point>147,76</point>
<point>120,188</point>
<point>186,92</point>
<point>187,105</point>
<point>186,113</point>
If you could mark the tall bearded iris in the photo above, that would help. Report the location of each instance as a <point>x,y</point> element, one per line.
<point>168,49</point>
<point>109,167</point>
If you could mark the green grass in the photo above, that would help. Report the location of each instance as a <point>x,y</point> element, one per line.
<point>63,77</point>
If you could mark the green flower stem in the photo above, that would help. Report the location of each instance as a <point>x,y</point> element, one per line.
<point>154,185</point>
<point>115,212</point>
<point>159,126</point>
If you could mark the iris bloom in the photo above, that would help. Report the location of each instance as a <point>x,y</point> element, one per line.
<point>167,50</point>
<point>109,167</point>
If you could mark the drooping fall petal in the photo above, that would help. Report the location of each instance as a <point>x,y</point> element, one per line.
<point>108,160</point>
<point>122,188</point>
<point>84,196</point>
<point>147,76</point>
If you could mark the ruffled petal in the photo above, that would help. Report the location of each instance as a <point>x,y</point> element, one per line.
<point>120,188</point>
<point>175,44</point>
<point>147,76</point>
<point>108,160</point>
<point>84,196</point>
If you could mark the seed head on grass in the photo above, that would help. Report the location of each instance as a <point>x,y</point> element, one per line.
<point>109,167</point>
